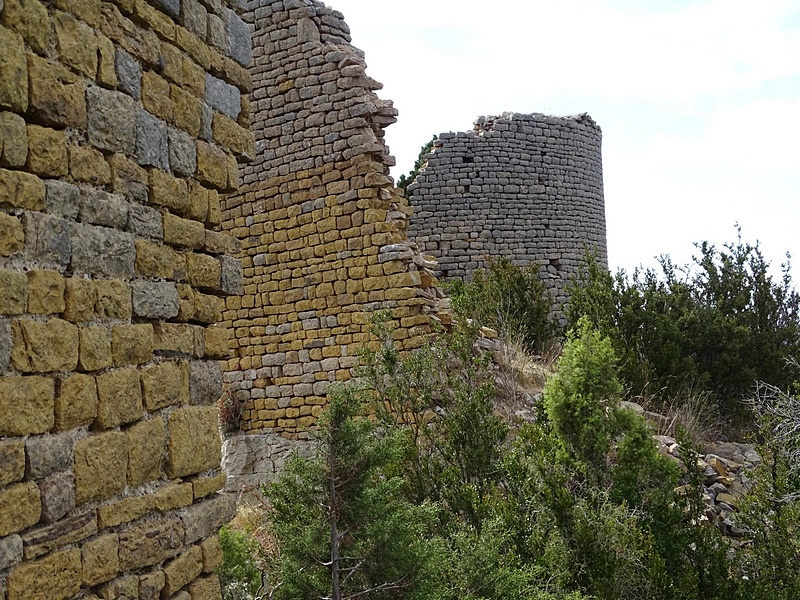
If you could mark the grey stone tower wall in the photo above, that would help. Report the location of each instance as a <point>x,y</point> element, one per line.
<point>527,187</point>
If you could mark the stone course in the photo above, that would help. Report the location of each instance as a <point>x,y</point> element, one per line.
<point>319,219</point>
<point>526,187</point>
<point>113,267</point>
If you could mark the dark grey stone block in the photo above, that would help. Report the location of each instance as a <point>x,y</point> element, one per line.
<point>62,199</point>
<point>155,300</point>
<point>205,381</point>
<point>48,454</point>
<point>58,496</point>
<point>231,275</point>
<point>240,47</point>
<point>112,120</point>
<point>151,141</point>
<point>223,97</point>
<point>182,153</point>
<point>101,208</point>
<point>47,239</point>
<point>103,252</point>
<point>129,73</point>
<point>144,221</point>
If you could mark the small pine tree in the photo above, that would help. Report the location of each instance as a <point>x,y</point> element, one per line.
<point>405,180</point>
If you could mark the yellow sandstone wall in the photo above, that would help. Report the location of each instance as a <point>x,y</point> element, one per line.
<point>121,124</point>
<point>323,229</point>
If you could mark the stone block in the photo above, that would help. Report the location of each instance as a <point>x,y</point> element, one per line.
<point>124,511</point>
<point>57,97</point>
<point>155,96</point>
<point>10,550</point>
<point>100,559</point>
<point>48,454</point>
<point>6,342</point>
<point>111,120</point>
<point>21,190</point>
<point>146,442</point>
<point>151,141</point>
<point>129,73</point>
<point>216,34</point>
<point>45,292</point>
<point>182,570</point>
<point>88,165</point>
<point>95,349</point>
<point>13,140</point>
<point>58,496</point>
<point>216,343</point>
<point>170,192</point>
<point>12,461</point>
<point>131,344</point>
<point>150,585</point>
<point>182,153</point>
<point>13,292</point>
<point>47,239</point>
<point>212,554</point>
<point>62,199</point>
<point>42,347</point>
<point>102,252</point>
<point>231,275</point>
<point>29,18</point>
<point>203,519</point>
<point>121,588</point>
<point>239,38</point>
<point>174,339</point>
<point>119,398</point>
<point>128,178</point>
<point>77,44</point>
<point>144,221</point>
<point>188,110</point>
<point>203,271</point>
<point>57,575</point>
<point>205,588</point>
<point>229,134</point>
<point>150,543</point>
<point>106,70</point>
<point>185,303</point>
<point>113,299</point>
<point>47,152</point>
<point>21,507</point>
<point>164,385</point>
<point>205,486</point>
<point>101,208</point>
<point>76,402</point>
<point>155,300</point>
<point>80,297</point>
<point>198,204</point>
<point>194,444</point>
<point>183,233</point>
<point>212,166</point>
<point>205,381</point>
<point>12,235</point>
<point>101,466</point>
<point>172,496</point>
<point>13,72</point>
<point>27,405</point>
<point>208,309</point>
<point>206,118</point>
<point>45,539</point>
<point>194,17</point>
<point>86,10</point>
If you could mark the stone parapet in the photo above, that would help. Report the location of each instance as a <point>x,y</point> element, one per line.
<point>121,127</point>
<point>526,187</point>
<point>322,228</point>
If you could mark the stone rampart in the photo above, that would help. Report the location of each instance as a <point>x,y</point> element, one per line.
<point>120,128</point>
<point>323,229</point>
<point>527,187</point>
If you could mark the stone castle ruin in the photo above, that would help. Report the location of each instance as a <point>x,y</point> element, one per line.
<point>527,187</point>
<point>136,253</point>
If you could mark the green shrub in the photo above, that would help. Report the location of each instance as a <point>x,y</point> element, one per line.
<point>239,574</point>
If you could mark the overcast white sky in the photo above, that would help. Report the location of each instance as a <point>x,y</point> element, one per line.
<point>699,102</point>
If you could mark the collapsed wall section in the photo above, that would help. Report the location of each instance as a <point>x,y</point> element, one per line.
<point>526,187</point>
<point>120,128</point>
<point>323,230</point>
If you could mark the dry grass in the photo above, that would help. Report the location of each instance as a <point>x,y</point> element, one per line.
<point>252,518</point>
<point>692,414</point>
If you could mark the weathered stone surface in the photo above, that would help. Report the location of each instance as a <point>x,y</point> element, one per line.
<point>6,341</point>
<point>47,152</point>
<point>102,251</point>
<point>212,554</point>
<point>216,343</point>
<point>80,297</point>
<point>21,190</point>
<point>47,239</point>
<point>205,486</point>
<point>88,165</point>
<point>128,178</point>
<point>42,540</point>
<point>95,349</point>
<point>55,576</point>
<point>131,344</point>
<point>223,97</point>
<point>156,96</point>
<point>13,72</point>
<point>174,339</point>
<point>13,292</point>
<point>112,120</point>
<point>164,385</point>
<point>170,192</point>
<point>203,271</point>
<point>150,585</point>
<point>182,570</point>
<point>182,153</point>
<point>62,199</point>
<point>129,73</point>
<point>145,222</point>
<point>119,396</point>
<point>206,588</point>
<point>155,300</point>
<point>204,519</point>
<point>12,461</point>
<point>126,586</point>
<point>10,551</point>
<point>48,454</point>
<point>194,444</point>
<point>101,466</point>
<point>183,233</point>
<point>58,496</point>
<point>77,44</point>
<point>239,37</point>
<point>159,261</point>
<point>12,235</point>
<point>57,97</point>
<point>30,19</point>
<point>113,299</point>
<point>150,543</point>
<point>41,347</point>
<point>20,506</point>
<point>231,275</point>
<point>100,559</point>
<point>208,309</point>
<point>151,141</point>
<point>13,140</point>
<point>205,381</point>
<point>124,511</point>
<point>211,166</point>
<point>172,496</point>
<point>146,442</point>
<point>101,208</point>
<point>45,292</point>
<point>76,402</point>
